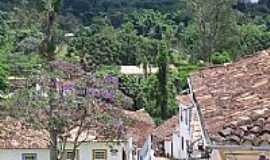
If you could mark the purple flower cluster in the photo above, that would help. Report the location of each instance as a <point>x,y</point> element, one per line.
<point>68,87</point>
<point>101,93</point>
<point>109,79</point>
<point>65,88</point>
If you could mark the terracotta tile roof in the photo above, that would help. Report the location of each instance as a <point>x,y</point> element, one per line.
<point>18,134</point>
<point>164,132</point>
<point>141,127</point>
<point>166,129</point>
<point>184,100</point>
<point>140,116</point>
<point>235,100</point>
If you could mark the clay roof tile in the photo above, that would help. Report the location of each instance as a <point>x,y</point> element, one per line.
<point>235,100</point>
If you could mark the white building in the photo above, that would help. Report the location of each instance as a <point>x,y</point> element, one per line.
<point>87,151</point>
<point>18,141</point>
<point>185,115</point>
<point>139,70</point>
<point>172,138</point>
<point>249,1</point>
<point>166,137</point>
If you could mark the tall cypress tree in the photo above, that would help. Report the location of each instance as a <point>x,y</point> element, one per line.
<point>162,99</point>
<point>48,45</point>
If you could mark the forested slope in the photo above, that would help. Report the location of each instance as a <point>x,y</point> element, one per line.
<point>105,34</point>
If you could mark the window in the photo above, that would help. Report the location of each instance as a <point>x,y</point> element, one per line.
<point>186,116</point>
<point>187,145</point>
<point>29,156</point>
<point>69,154</point>
<point>183,144</point>
<point>181,115</point>
<point>99,154</point>
<point>114,152</point>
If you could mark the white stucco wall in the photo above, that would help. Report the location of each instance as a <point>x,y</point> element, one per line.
<point>85,152</point>
<point>168,147</point>
<point>185,130</point>
<point>215,155</point>
<point>16,154</point>
<point>177,153</point>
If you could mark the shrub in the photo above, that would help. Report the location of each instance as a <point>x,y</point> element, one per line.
<point>150,96</point>
<point>132,87</point>
<point>254,38</point>
<point>181,73</point>
<point>220,57</point>
<point>106,69</point>
<point>3,77</point>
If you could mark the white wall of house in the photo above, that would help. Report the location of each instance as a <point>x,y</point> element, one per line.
<point>16,154</point>
<point>129,149</point>
<point>215,155</point>
<point>176,145</point>
<point>85,151</point>
<point>185,113</point>
<point>173,146</point>
<point>146,153</point>
<point>168,147</point>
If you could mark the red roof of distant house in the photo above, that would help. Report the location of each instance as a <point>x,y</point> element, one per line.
<point>184,100</point>
<point>141,127</point>
<point>164,132</point>
<point>234,100</point>
<point>18,134</point>
<point>166,129</point>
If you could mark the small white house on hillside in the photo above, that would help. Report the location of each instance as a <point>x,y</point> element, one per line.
<point>18,141</point>
<point>139,70</point>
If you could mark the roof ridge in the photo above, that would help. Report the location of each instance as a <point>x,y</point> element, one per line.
<point>245,57</point>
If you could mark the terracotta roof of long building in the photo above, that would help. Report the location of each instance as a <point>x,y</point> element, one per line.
<point>166,129</point>
<point>234,100</point>
<point>19,134</point>
<point>141,127</point>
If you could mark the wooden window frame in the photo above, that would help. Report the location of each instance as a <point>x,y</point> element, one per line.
<point>102,150</point>
<point>186,116</point>
<point>181,114</point>
<point>25,154</point>
<point>182,143</point>
<point>70,151</point>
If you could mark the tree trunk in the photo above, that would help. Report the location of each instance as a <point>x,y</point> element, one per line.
<point>53,145</point>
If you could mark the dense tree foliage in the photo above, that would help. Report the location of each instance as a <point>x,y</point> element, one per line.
<point>115,10</point>
<point>101,35</point>
<point>3,50</point>
<point>162,98</point>
<point>216,27</point>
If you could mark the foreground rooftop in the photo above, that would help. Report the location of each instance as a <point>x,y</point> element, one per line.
<point>234,100</point>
